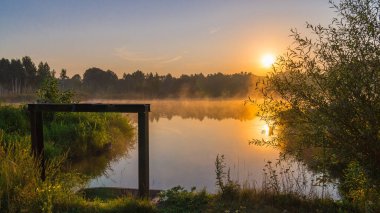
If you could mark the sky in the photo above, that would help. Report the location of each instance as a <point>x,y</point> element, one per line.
<point>163,36</point>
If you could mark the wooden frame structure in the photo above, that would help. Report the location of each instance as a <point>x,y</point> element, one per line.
<point>36,121</point>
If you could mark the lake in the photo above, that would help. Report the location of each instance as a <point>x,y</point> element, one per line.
<point>185,139</point>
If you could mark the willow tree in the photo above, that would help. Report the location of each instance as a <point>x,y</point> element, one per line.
<point>324,92</point>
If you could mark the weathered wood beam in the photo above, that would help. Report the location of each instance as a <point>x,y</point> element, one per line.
<point>143,153</point>
<point>37,137</point>
<point>133,108</point>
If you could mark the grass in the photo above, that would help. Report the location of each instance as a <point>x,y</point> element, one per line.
<point>178,199</point>
<point>86,134</point>
<point>101,137</point>
<point>21,190</point>
<point>124,204</point>
<point>281,191</point>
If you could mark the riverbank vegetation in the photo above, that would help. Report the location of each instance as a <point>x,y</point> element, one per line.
<point>69,137</point>
<point>323,99</point>
<point>21,190</point>
<point>76,135</point>
<point>79,134</point>
<point>280,192</point>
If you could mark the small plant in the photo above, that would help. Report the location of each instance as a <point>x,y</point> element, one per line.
<point>229,188</point>
<point>219,171</point>
<point>179,199</point>
<point>49,93</point>
<point>357,188</point>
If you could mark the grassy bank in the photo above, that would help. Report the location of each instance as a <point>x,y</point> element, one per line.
<point>68,137</point>
<point>79,134</point>
<point>244,200</point>
<point>21,190</point>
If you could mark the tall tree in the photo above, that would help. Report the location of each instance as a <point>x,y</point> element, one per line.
<point>31,73</point>
<point>324,93</point>
<point>43,72</point>
<point>5,75</point>
<point>63,74</point>
<point>98,80</point>
<point>18,76</point>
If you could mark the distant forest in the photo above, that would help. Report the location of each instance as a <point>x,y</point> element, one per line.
<point>23,77</point>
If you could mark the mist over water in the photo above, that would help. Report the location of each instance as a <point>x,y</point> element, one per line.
<point>217,109</point>
<point>185,138</point>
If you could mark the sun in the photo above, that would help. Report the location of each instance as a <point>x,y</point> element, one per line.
<point>268,60</point>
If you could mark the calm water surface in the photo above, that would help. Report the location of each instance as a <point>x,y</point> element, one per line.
<point>186,137</point>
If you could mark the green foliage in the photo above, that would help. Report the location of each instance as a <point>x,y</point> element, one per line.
<point>357,188</point>
<point>323,96</point>
<point>228,188</point>
<point>119,205</point>
<point>80,134</point>
<point>84,134</point>
<point>49,93</point>
<point>178,199</point>
<point>14,120</point>
<point>14,124</point>
<point>282,189</point>
<point>103,137</point>
<point>22,190</point>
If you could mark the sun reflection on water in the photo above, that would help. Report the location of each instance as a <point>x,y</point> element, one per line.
<point>265,130</point>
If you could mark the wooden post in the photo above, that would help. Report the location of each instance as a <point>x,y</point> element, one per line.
<point>143,153</point>
<point>37,135</point>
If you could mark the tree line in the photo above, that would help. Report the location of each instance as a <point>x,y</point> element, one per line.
<point>22,76</point>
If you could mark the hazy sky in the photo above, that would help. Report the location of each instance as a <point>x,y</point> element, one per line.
<point>164,36</point>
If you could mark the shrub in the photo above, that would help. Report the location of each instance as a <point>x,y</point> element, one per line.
<point>84,134</point>
<point>179,199</point>
<point>13,119</point>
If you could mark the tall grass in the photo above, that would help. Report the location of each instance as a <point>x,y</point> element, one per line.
<point>14,123</point>
<point>282,191</point>
<point>22,190</point>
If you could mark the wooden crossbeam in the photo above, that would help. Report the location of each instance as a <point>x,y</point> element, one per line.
<point>36,122</point>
